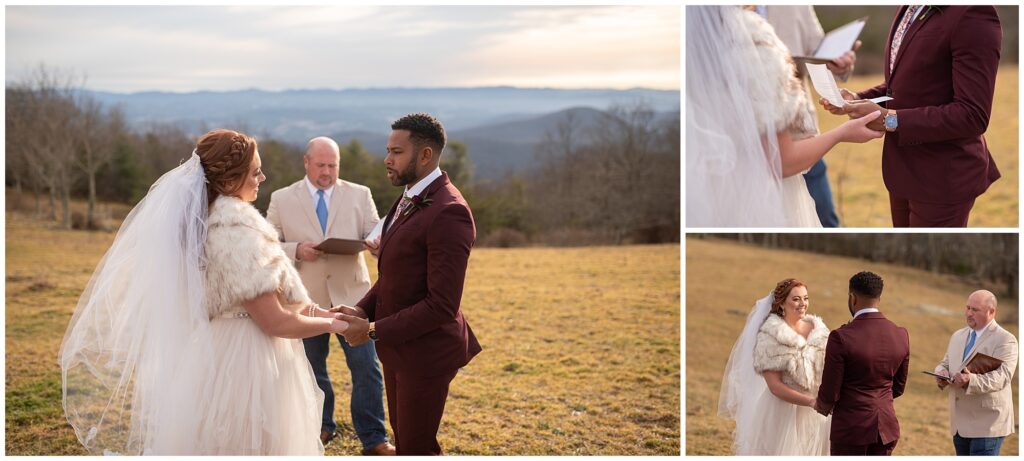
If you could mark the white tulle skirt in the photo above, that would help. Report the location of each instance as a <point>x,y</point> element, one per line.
<point>799,203</point>
<point>785,429</point>
<point>261,398</point>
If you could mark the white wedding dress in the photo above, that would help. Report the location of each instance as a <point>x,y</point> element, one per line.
<point>159,358</point>
<point>765,424</point>
<point>741,91</point>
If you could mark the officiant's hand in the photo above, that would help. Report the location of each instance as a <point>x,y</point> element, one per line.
<point>844,63</point>
<point>356,334</point>
<point>373,246</point>
<point>942,382</point>
<point>305,252</point>
<point>355,311</point>
<point>847,96</point>
<point>962,379</point>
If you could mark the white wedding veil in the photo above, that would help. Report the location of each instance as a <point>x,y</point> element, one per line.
<point>733,167</point>
<point>134,354</point>
<point>742,387</point>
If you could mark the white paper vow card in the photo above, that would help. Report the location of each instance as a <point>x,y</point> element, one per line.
<point>825,84</point>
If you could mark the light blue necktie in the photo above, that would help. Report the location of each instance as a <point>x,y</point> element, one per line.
<point>321,211</point>
<point>970,344</point>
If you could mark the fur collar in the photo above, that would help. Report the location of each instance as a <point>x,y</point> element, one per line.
<point>778,329</point>
<point>232,211</point>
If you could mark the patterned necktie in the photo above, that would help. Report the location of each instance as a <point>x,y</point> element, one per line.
<point>970,344</point>
<point>321,212</point>
<point>402,205</point>
<point>897,38</point>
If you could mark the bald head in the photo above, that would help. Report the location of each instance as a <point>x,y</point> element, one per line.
<point>321,162</point>
<point>981,308</point>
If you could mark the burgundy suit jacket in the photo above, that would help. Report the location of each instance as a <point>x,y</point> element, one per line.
<point>942,86</point>
<point>421,269</point>
<point>866,364</point>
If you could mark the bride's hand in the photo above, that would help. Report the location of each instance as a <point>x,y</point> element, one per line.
<point>338,326</point>
<point>856,130</point>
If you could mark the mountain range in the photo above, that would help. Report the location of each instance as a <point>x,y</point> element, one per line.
<point>499,125</point>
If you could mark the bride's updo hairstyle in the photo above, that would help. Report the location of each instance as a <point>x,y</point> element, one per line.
<point>225,156</point>
<point>781,292</point>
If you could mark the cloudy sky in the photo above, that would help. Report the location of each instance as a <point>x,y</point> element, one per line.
<point>129,49</point>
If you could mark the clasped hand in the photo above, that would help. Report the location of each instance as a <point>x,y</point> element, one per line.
<point>358,329</point>
<point>857,108</point>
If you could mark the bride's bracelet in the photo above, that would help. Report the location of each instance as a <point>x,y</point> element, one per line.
<point>312,310</point>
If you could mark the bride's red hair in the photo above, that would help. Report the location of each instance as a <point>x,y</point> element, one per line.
<point>782,290</point>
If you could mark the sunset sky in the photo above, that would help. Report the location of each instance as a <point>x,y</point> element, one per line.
<point>141,48</point>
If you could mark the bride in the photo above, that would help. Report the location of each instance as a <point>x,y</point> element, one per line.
<point>744,108</point>
<point>772,378</point>
<point>185,341</point>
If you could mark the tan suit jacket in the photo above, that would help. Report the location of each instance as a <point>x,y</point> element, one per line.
<point>985,408</point>
<point>331,279</point>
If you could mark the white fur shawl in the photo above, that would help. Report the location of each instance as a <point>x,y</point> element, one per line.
<point>244,259</point>
<point>778,95</point>
<point>780,348</point>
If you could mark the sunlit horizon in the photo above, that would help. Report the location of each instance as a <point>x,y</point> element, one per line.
<point>127,49</point>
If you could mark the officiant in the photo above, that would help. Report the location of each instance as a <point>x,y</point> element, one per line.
<point>980,404</point>
<point>317,207</point>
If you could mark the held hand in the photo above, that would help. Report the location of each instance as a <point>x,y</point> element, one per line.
<point>356,334</point>
<point>354,311</point>
<point>844,63</point>
<point>373,246</point>
<point>305,252</point>
<point>942,383</point>
<point>338,326</point>
<point>859,130</point>
<point>962,379</point>
<point>847,96</point>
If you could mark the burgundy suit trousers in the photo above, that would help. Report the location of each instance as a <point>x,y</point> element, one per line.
<point>912,213</point>
<point>875,449</point>
<point>415,406</point>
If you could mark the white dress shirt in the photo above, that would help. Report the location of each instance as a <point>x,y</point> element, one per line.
<point>865,311</point>
<point>316,198</point>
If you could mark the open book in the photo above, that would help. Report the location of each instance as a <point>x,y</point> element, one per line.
<point>979,364</point>
<point>836,42</point>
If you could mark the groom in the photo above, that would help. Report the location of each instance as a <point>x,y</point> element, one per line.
<point>940,70</point>
<point>866,363</point>
<point>413,310</point>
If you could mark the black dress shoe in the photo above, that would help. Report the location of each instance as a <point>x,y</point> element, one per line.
<point>326,437</point>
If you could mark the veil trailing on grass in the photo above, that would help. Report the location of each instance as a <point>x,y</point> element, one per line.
<point>742,387</point>
<point>733,166</point>
<point>135,353</point>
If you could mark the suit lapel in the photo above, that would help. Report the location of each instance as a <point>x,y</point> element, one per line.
<point>334,209</point>
<point>305,202</point>
<point>961,343</point>
<point>987,335</point>
<point>411,211</point>
<point>908,36</point>
<point>888,43</point>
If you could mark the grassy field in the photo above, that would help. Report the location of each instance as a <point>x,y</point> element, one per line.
<point>855,169</point>
<point>724,279</point>
<point>581,348</point>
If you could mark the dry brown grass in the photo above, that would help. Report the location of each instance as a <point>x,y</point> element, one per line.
<point>724,278</point>
<point>581,348</point>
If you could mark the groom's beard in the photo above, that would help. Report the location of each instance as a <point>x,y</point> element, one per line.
<point>405,177</point>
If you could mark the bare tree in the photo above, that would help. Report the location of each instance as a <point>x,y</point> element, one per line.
<point>96,131</point>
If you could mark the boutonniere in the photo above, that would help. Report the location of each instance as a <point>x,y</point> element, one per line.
<point>929,9</point>
<point>417,203</point>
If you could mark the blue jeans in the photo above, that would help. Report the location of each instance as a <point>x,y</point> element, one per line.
<point>817,184</point>
<point>367,387</point>
<point>980,446</point>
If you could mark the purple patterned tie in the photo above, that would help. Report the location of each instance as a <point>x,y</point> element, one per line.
<point>897,38</point>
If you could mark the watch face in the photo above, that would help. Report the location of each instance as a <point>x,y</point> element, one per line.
<point>890,121</point>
